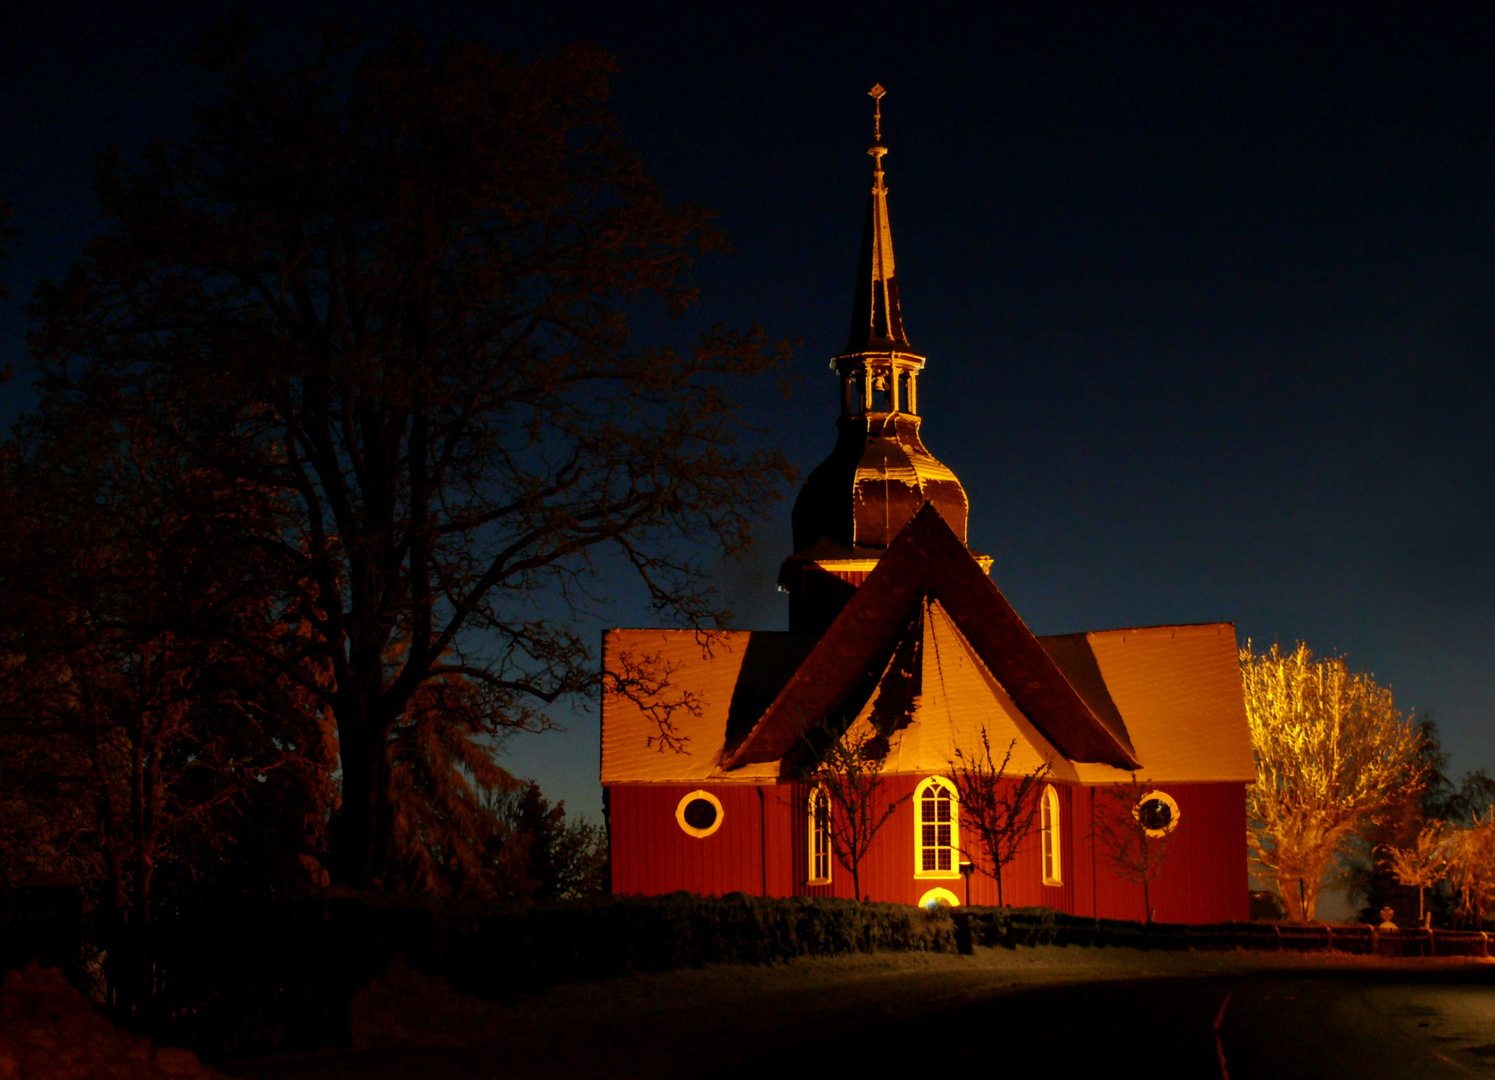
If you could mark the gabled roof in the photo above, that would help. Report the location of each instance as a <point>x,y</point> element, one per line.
<point>937,699</point>
<point>1172,693</point>
<point>710,687</point>
<point>1179,690</point>
<point>927,561</point>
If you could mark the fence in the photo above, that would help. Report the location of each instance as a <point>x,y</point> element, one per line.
<point>247,982</point>
<point>1010,928</point>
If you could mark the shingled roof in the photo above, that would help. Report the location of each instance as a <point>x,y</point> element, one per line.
<point>928,562</point>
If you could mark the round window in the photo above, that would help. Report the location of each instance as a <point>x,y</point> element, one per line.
<point>699,813</point>
<point>1157,813</point>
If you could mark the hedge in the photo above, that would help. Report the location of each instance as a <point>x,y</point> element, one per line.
<point>609,935</point>
<point>239,984</point>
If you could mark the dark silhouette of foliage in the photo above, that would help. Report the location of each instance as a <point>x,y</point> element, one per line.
<point>135,741</point>
<point>566,860</point>
<point>997,808</point>
<point>1369,871</point>
<point>466,830</point>
<point>396,305</point>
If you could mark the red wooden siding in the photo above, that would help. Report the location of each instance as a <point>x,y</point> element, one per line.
<point>652,854</point>
<point>1204,876</point>
<point>762,847</point>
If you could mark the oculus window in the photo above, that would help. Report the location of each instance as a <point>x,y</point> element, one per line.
<point>699,814</point>
<point>1157,813</point>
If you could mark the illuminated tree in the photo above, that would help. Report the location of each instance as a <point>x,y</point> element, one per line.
<point>1331,748</point>
<point>399,302</point>
<point>849,772</point>
<point>1132,833</point>
<point>997,808</point>
<point>1425,862</point>
<point>1471,868</point>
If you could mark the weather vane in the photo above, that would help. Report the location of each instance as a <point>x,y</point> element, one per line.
<point>876,94</point>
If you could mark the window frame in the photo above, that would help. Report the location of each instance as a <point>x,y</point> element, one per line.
<point>941,897</point>
<point>691,830</point>
<point>952,874</point>
<point>1168,801</point>
<point>1051,838</point>
<point>815,802</point>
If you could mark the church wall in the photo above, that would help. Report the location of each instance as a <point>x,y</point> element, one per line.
<point>652,855</point>
<point>762,847</point>
<point>1203,878</point>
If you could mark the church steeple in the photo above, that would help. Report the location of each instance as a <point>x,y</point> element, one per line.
<point>876,320</point>
<point>879,475</point>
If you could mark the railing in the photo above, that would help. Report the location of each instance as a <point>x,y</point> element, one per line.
<point>1000,927</point>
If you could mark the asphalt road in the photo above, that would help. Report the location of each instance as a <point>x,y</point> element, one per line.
<point>1096,1014</point>
<point>1323,1025</point>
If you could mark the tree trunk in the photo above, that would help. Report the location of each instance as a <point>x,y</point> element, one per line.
<point>359,834</point>
<point>1299,898</point>
<point>1000,902</point>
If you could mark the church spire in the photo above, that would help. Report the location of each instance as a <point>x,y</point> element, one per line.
<point>880,473</point>
<point>876,321</point>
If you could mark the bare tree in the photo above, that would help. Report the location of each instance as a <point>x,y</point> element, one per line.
<point>849,771</point>
<point>1133,833</point>
<point>999,809</point>
<point>395,296</point>
<point>1331,748</point>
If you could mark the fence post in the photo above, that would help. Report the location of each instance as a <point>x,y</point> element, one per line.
<point>963,939</point>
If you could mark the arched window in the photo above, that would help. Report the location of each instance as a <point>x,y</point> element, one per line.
<point>820,836</point>
<point>1049,827</point>
<point>937,837</point>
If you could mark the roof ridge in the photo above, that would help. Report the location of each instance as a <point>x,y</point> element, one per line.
<point>927,560</point>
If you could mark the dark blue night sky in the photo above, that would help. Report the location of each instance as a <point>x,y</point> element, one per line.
<point>1208,297</point>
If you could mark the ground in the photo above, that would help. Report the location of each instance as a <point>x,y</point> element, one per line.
<point>48,1032</point>
<point>1265,1014</point>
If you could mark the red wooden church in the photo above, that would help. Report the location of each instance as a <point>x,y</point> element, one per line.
<point>895,623</point>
